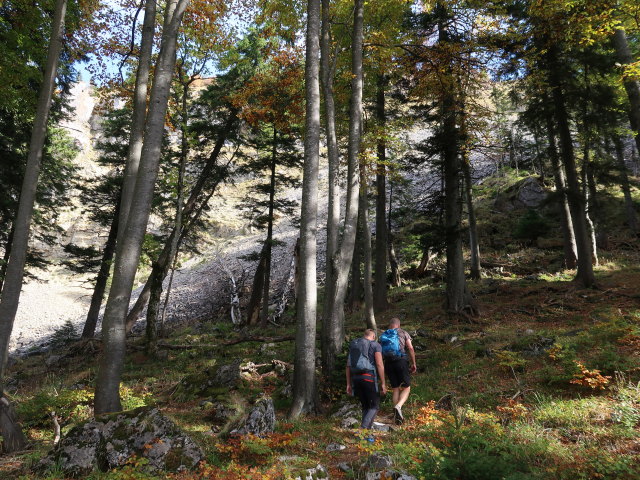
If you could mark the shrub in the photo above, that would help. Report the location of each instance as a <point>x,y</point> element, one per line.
<point>531,226</point>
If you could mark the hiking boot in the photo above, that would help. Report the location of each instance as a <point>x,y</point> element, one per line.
<point>397,415</point>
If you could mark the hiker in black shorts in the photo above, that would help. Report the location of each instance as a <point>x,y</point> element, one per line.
<point>364,370</point>
<point>399,368</point>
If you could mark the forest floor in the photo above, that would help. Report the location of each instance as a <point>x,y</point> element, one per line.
<point>545,384</point>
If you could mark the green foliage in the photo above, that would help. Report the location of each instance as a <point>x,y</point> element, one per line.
<point>531,226</point>
<point>64,334</point>
<point>71,406</point>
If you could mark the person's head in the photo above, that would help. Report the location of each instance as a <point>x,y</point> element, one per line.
<point>394,322</point>
<point>370,334</point>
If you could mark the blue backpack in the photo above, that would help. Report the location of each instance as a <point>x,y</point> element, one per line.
<point>359,356</point>
<point>390,342</point>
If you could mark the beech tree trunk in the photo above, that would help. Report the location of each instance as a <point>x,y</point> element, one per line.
<point>356,289</point>
<point>584,274</point>
<point>333,213</point>
<point>369,315</point>
<point>588,193</point>
<point>190,213</point>
<point>474,245</point>
<point>333,333</point>
<point>304,373</point>
<point>396,280</point>
<point>107,395</point>
<point>264,315</point>
<point>570,249</point>
<point>100,288</point>
<point>632,86</point>
<point>632,219</point>
<point>380,301</point>
<point>138,115</point>
<point>253,307</point>
<point>13,439</point>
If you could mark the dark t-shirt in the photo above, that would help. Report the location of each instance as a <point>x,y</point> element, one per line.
<point>373,348</point>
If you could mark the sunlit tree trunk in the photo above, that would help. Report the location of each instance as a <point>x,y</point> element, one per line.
<point>354,297</point>
<point>13,438</point>
<point>333,212</point>
<point>304,373</point>
<point>380,294</point>
<point>396,280</point>
<point>584,274</point>
<point>107,395</point>
<point>334,331</point>
<point>139,113</point>
<point>369,315</point>
<point>264,315</point>
<point>474,245</point>
<point>570,249</point>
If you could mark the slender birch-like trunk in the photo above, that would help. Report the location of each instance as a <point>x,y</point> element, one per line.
<point>13,438</point>
<point>334,331</point>
<point>304,373</point>
<point>138,115</point>
<point>369,315</point>
<point>380,294</point>
<point>107,395</point>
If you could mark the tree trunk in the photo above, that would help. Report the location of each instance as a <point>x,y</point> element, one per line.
<point>304,373</point>
<point>101,280</point>
<point>585,274</point>
<point>6,256</point>
<point>396,281</point>
<point>333,213</point>
<point>369,315</point>
<point>457,298</point>
<point>356,289</point>
<point>264,316</point>
<point>631,85</point>
<point>589,201</point>
<point>570,249</point>
<point>380,294</point>
<point>13,439</point>
<point>257,287</point>
<point>138,115</point>
<point>632,219</point>
<point>474,245</point>
<point>333,333</point>
<point>107,395</point>
<point>190,214</point>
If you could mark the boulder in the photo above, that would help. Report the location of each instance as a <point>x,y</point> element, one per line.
<point>335,447</point>
<point>388,475</point>
<point>109,441</point>
<point>348,409</point>
<point>261,419</point>
<point>316,473</point>
<point>531,193</point>
<point>379,461</point>
<point>228,375</point>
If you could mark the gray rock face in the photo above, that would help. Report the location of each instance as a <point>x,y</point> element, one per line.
<point>228,375</point>
<point>531,193</point>
<point>347,409</point>
<point>109,441</point>
<point>261,419</point>
<point>335,447</point>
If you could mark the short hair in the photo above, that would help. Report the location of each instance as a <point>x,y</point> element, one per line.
<point>394,322</point>
<point>369,331</point>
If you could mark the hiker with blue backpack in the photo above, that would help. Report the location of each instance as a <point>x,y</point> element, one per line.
<point>396,347</point>
<point>365,369</point>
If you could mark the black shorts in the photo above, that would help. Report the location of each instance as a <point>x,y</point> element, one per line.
<point>398,372</point>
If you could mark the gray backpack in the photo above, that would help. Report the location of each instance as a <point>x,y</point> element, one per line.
<point>359,356</point>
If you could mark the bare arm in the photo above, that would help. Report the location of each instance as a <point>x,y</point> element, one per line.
<point>348,372</point>
<point>380,368</point>
<point>412,355</point>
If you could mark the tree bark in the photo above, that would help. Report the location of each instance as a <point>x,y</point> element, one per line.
<point>474,245</point>
<point>257,287</point>
<point>13,439</point>
<point>190,213</point>
<point>369,315</point>
<point>380,294</point>
<point>356,289</point>
<point>632,219</point>
<point>138,115</point>
<point>264,316</point>
<point>570,249</point>
<point>304,374</point>
<point>632,86</point>
<point>103,275</point>
<point>588,193</point>
<point>107,395</point>
<point>333,213</point>
<point>584,274</point>
<point>396,280</point>
<point>333,334</point>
